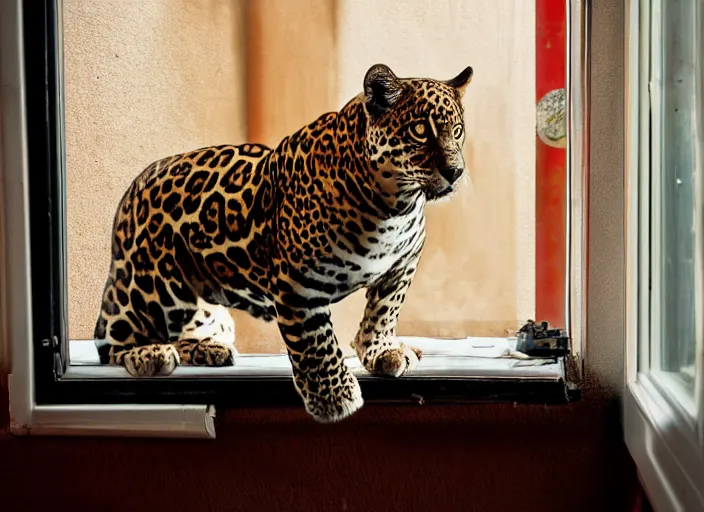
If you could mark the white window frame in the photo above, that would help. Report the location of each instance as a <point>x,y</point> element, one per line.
<point>26,416</point>
<point>194,420</point>
<point>664,430</point>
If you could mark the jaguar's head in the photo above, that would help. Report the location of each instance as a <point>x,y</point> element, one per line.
<point>415,131</point>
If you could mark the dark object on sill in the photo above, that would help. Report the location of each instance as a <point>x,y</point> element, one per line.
<point>538,340</point>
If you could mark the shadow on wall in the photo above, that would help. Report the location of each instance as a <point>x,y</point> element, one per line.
<point>145,80</point>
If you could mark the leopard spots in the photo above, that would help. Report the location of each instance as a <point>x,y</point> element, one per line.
<point>282,234</point>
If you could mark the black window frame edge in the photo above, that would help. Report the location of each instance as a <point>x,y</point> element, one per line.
<point>42,63</point>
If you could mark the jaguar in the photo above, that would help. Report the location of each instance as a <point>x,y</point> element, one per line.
<point>282,233</point>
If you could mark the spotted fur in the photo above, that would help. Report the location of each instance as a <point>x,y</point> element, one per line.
<point>282,234</point>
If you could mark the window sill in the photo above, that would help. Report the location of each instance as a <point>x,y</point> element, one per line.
<point>664,445</point>
<point>90,399</point>
<point>451,371</point>
<point>473,357</point>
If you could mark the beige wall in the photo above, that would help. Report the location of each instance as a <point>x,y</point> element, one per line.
<point>145,80</point>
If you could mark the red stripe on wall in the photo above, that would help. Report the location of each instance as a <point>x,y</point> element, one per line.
<point>550,169</point>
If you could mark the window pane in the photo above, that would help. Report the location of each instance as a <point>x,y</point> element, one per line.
<point>147,81</point>
<point>677,311</point>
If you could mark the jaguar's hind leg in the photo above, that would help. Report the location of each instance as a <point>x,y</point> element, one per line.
<point>150,335</point>
<point>208,339</point>
<point>205,352</point>
<point>123,339</point>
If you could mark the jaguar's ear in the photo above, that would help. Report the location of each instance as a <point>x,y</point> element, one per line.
<point>461,81</point>
<point>382,89</point>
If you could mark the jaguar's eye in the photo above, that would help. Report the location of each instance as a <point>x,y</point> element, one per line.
<point>419,131</point>
<point>457,131</point>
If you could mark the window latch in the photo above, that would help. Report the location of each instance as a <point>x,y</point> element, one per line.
<point>52,345</point>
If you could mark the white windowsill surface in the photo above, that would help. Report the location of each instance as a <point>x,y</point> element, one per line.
<point>470,358</point>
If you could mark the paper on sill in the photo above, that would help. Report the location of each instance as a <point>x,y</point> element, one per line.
<point>481,347</point>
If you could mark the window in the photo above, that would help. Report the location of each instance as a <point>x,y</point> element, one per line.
<point>128,83</point>
<point>664,411</point>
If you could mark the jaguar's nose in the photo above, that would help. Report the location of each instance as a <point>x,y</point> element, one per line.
<point>451,174</point>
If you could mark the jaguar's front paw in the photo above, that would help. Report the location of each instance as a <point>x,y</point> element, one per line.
<point>396,362</point>
<point>339,401</point>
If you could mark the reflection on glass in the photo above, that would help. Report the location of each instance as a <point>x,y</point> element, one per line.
<point>677,193</point>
